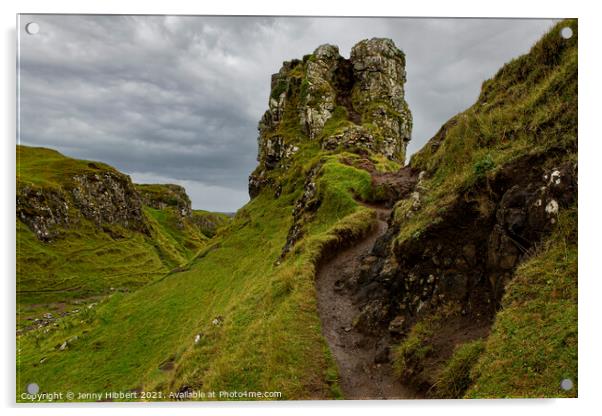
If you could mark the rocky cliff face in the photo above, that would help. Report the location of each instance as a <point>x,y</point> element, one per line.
<point>105,197</point>
<point>325,100</point>
<point>469,253</point>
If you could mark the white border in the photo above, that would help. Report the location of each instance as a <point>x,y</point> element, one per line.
<point>590,288</point>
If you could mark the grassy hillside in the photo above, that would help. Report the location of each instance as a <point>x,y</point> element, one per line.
<point>85,260</point>
<point>241,314</point>
<point>527,111</point>
<point>529,107</point>
<point>267,333</point>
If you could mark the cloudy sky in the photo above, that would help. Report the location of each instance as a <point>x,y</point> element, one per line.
<point>176,99</point>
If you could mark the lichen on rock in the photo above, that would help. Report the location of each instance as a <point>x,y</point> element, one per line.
<point>378,93</point>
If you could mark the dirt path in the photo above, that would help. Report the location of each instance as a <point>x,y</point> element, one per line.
<point>354,352</point>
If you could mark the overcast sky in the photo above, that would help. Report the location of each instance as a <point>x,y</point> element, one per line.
<point>176,99</point>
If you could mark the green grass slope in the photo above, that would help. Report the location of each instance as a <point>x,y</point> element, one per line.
<point>537,326</point>
<point>529,107</point>
<point>85,261</point>
<point>267,334</point>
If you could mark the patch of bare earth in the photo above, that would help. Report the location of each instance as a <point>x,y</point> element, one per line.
<point>365,371</point>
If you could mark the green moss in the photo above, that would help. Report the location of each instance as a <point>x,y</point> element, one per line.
<point>280,87</point>
<point>482,166</point>
<point>385,165</point>
<point>338,121</point>
<point>338,187</point>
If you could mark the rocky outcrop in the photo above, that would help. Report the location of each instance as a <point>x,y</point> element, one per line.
<point>44,211</point>
<point>164,196</point>
<point>460,264</point>
<point>104,198</point>
<point>354,104</point>
<point>378,93</point>
<point>468,255</point>
<point>208,222</point>
<point>318,98</point>
<point>304,209</point>
<point>108,198</point>
<point>525,213</point>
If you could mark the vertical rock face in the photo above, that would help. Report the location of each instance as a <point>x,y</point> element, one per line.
<point>354,104</point>
<point>104,197</point>
<point>318,98</point>
<point>378,93</point>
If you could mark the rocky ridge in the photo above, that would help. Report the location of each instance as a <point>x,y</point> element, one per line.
<point>104,197</point>
<point>163,196</point>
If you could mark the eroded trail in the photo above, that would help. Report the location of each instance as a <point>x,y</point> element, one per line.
<point>358,356</point>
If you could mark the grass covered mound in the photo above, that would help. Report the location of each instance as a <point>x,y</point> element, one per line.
<point>529,107</point>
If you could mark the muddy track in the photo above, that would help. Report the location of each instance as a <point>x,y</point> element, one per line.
<point>355,353</point>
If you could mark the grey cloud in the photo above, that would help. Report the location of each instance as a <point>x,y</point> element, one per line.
<point>177,98</point>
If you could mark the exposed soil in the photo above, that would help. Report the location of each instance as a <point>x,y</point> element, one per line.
<point>364,368</point>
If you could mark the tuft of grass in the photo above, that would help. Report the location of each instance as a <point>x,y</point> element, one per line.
<point>484,165</point>
<point>337,122</point>
<point>412,351</point>
<point>454,379</point>
<point>410,355</point>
